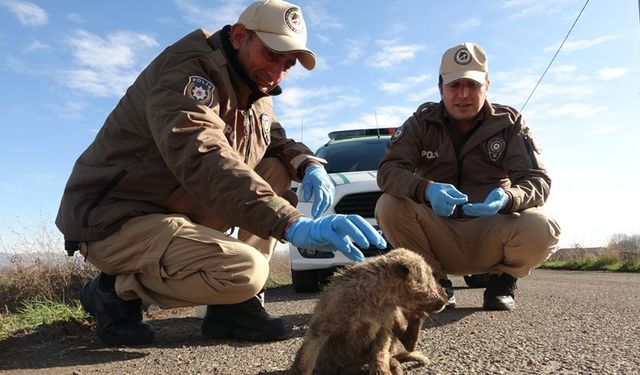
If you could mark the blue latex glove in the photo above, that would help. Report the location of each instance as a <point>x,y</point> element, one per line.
<point>494,202</point>
<point>335,232</point>
<point>316,181</point>
<point>444,198</point>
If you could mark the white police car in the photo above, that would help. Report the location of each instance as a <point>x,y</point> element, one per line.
<point>352,162</point>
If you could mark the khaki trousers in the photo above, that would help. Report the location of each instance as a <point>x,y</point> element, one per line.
<point>511,243</point>
<point>170,261</point>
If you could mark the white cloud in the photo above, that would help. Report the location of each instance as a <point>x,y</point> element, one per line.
<point>513,87</point>
<point>105,66</point>
<point>429,94</point>
<point>294,96</point>
<point>35,45</point>
<point>211,18</point>
<point>318,18</point>
<point>576,45</point>
<point>467,25</point>
<point>393,53</point>
<point>29,14</point>
<point>355,49</point>
<point>563,73</point>
<point>576,110</point>
<point>611,73</point>
<point>313,111</point>
<point>563,69</point>
<point>403,85</point>
<point>381,117</point>
<point>320,111</point>
<point>527,8</point>
<point>324,39</point>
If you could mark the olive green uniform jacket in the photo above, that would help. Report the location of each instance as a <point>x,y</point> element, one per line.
<point>499,151</point>
<point>192,121</point>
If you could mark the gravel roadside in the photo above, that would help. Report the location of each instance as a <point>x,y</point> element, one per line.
<point>565,323</point>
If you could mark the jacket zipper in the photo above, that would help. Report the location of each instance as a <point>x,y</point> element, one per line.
<point>249,135</point>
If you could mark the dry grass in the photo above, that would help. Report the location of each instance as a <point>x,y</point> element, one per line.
<point>594,259</point>
<point>280,270</point>
<point>56,280</point>
<point>39,268</point>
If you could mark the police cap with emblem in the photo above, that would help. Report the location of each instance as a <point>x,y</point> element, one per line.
<point>466,60</point>
<point>280,26</point>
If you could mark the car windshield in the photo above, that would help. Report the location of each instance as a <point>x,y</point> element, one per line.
<point>354,155</point>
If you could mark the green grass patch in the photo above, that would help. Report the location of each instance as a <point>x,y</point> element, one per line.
<point>601,263</point>
<point>38,312</point>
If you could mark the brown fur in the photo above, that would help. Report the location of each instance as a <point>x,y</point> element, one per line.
<point>369,317</point>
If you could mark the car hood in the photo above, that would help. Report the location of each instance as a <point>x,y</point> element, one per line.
<point>344,178</point>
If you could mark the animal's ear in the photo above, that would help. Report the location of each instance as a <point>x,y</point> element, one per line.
<point>401,269</point>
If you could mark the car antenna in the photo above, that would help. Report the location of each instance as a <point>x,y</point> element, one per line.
<point>375,113</point>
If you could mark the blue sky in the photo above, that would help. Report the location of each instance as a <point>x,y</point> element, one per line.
<point>65,64</point>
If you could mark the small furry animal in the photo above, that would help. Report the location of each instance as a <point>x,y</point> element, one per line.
<point>368,318</point>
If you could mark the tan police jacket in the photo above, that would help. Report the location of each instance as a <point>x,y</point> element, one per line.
<point>191,122</point>
<point>501,151</point>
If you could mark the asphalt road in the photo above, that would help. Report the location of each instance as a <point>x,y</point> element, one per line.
<point>565,323</point>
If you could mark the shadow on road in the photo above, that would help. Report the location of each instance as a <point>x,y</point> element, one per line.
<point>450,316</point>
<point>41,349</point>
<point>285,293</point>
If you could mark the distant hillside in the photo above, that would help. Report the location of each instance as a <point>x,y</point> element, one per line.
<point>4,259</point>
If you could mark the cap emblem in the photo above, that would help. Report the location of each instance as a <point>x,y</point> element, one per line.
<point>293,19</point>
<point>462,57</point>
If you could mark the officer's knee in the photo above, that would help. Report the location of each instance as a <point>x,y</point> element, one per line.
<point>244,278</point>
<point>388,207</point>
<point>542,229</point>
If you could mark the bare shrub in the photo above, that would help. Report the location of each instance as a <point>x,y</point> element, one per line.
<point>39,267</point>
<point>627,246</point>
<point>58,281</point>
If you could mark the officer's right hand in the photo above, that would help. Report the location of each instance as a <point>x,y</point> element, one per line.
<point>335,232</point>
<point>444,198</point>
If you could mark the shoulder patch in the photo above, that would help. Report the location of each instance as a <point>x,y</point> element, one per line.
<point>397,135</point>
<point>200,90</point>
<point>495,148</point>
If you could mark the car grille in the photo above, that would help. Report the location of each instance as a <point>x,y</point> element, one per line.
<point>362,204</point>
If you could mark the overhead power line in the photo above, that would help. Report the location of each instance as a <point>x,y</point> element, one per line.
<point>556,54</point>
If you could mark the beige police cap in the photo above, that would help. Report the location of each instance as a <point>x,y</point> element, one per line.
<point>466,60</point>
<point>280,26</point>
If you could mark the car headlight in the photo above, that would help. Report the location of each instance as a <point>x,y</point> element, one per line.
<point>310,253</point>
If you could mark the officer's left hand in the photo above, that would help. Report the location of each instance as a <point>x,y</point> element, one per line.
<point>316,181</point>
<point>332,232</point>
<point>496,200</point>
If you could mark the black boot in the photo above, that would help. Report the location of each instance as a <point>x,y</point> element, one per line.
<point>118,322</point>
<point>247,321</point>
<point>447,285</point>
<point>499,294</point>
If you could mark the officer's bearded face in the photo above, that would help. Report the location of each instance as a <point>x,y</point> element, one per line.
<point>264,66</point>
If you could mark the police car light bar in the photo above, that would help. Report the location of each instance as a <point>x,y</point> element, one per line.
<point>344,134</point>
